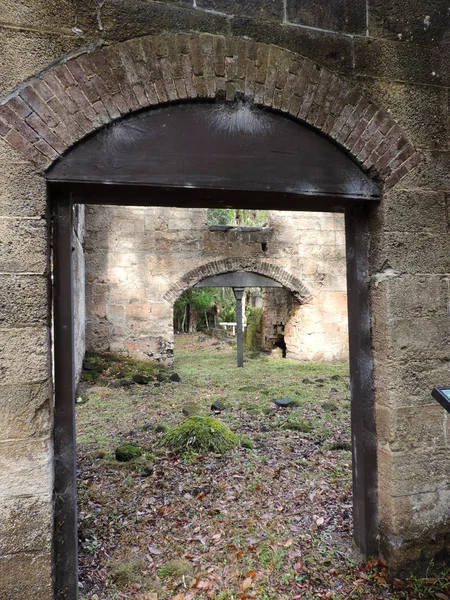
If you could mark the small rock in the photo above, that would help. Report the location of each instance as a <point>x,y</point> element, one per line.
<point>334,390</point>
<point>175,377</point>
<point>285,402</point>
<point>335,377</point>
<point>190,409</point>
<point>147,471</point>
<point>217,406</point>
<point>126,382</point>
<point>202,338</point>
<point>307,381</point>
<point>146,427</point>
<point>140,379</point>
<point>319,380</point>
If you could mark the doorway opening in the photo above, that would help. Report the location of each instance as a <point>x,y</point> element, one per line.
<point>73,181</point>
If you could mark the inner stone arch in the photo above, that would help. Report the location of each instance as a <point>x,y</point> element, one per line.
<point>230,265</point>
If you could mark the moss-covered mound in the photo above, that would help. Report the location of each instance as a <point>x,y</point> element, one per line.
<point>200,434</point>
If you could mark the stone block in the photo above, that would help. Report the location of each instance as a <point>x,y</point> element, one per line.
<point>418,21</point>
<point>27,524</point>
<point>26,52</point>
<point>23,245</point>
<point>336,15</point>
<point>411,427</point>
<point>26,575</point>
<point>421,471</point>
<point>414,211</point>
<point>432,173</point>
<point>24,355</point>
<point>115,312</point>
<point>25,411</point>
<point>137,311</point>
<point>23,300</point>
<point>126,21</point>
<point>331,51</point>
<point>271,10</point>
<point>412,253</point>
<point>26,468</point>
<point>410,296</point>
<point>408,381</point>
<point>96,300</point>
<point>406,102</point>
<point>22,191</point>
<point>395,61</point>
<point>43,15</point>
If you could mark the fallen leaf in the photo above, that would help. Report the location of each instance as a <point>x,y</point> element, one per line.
<point>441,596</point>
<point>248,581</point>
<point>320,521</point>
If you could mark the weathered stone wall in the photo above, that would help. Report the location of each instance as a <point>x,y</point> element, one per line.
<point>397,52</point>
<point>134,256</point>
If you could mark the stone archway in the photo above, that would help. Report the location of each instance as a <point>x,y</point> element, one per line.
<point>65,103</point>
<point>56,109</point>
<point>228,265</point>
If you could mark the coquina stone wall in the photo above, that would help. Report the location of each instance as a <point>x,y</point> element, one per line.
<point>135,255</point>
<point>373,76</point>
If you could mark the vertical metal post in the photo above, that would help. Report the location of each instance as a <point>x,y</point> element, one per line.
<point>364,447</point>
<point>65,527</point>
<point>238,294</point>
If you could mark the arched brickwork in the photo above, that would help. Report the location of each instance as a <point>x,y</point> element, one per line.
<point>59,107</point>
<point>228,265</point>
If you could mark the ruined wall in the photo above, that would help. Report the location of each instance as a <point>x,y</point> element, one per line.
<point>397,51</point>
<point>134,256</point>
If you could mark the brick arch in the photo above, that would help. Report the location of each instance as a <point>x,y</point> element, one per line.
<point>228,265</point>
<point>66,102</point>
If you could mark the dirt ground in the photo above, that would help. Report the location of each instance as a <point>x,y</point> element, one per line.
<point>271,519</point>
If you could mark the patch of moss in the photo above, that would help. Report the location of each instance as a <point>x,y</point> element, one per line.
<point>131,570</point>
<point>329,407</point>
<point>127,452</point>
<point>245,442</point>
<point>340,446</point>
<point>252,333</point>
<point>177,569</point>
<point>200,434</point>
<point>302,426</point>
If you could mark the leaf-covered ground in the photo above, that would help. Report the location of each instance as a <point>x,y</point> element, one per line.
<point>269,522</point>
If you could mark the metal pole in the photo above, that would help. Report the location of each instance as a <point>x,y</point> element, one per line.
<point>238,294</point>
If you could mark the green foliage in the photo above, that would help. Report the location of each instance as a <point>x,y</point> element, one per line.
<point>203,306</point>
<point>252,333</point>
<point>200,434</point>
<point>237,217</point>
<point>112,366</point>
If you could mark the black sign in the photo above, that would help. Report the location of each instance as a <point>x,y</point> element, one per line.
<point>442,395</point>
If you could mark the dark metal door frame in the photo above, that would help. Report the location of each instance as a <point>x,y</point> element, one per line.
<point>361,360</point>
